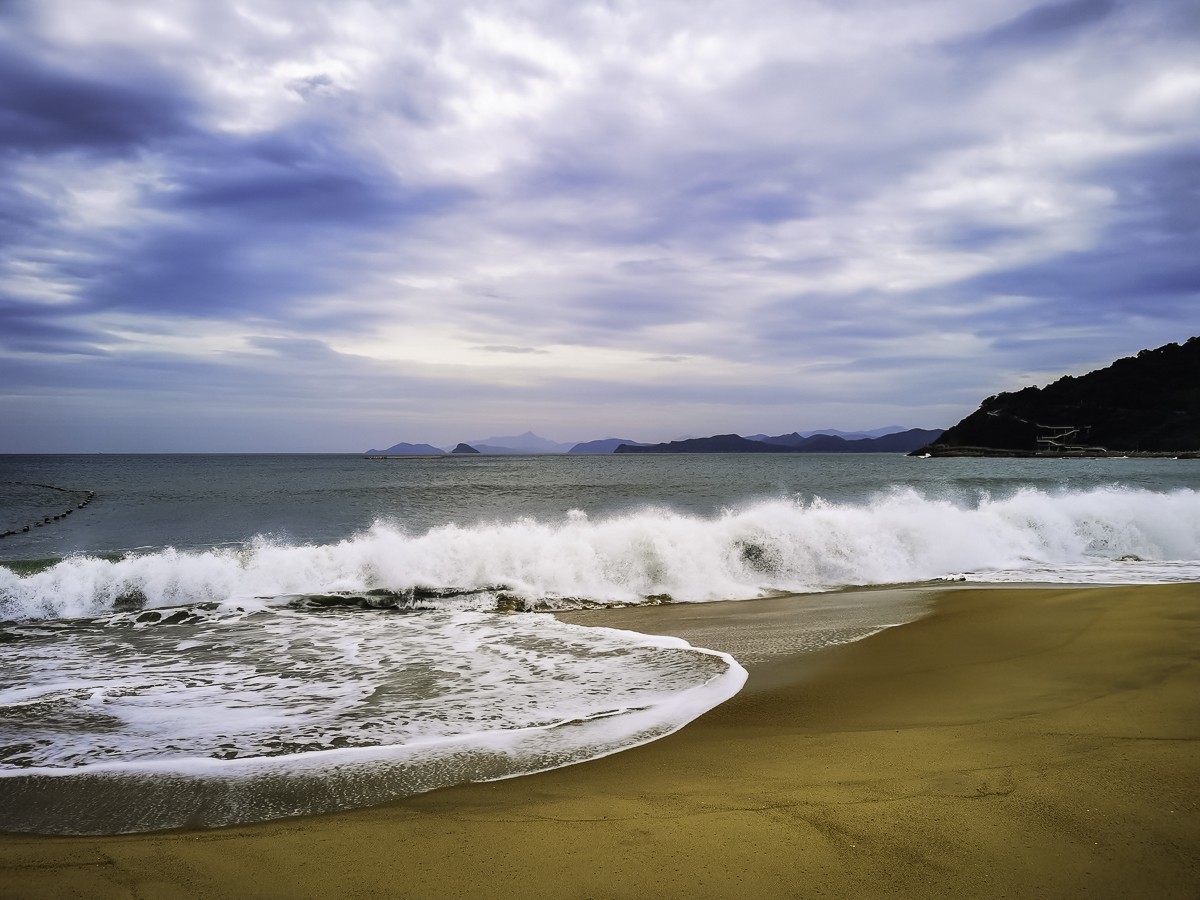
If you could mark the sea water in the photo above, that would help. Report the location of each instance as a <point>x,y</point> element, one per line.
<point>220,639</point>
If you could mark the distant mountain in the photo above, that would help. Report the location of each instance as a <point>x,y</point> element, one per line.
<point>894,442</point>
<point>847,435</point>
<point>889,442</point>
<point>874,432</point>
<point>900,442</point>
<point>521,443</point>
<point>720,443</point>
<point>403,449</point>
<point>795,439</point>
<point>1144,403</point>
<point>809,442</point>
<point>606,445</point>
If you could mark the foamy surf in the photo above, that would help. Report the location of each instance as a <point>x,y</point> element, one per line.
<point>108,728</point>
<point>901,536</point>
<point>235,679</point>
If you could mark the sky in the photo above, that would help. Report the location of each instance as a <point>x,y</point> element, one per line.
<point>272,225</point>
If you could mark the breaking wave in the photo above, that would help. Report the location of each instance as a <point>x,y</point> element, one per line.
<point>773,545</point>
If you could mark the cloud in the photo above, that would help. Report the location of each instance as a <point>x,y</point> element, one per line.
<point>52,109</point>
<point>31,330</point>
<point>508,348</point>
<point>679,215</point>
<point>1139,265</point>
<point>1040,26</point>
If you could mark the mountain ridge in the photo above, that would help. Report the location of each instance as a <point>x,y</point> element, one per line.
<point>889,439</point>
<point>406,449</point>
<point>898,442</point>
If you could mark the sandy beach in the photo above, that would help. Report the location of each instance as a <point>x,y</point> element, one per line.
<point>1030,742</point>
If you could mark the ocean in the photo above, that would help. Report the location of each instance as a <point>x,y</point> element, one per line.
<point>201,640</point>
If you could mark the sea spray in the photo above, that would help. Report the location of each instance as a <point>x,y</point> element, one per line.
<point>899,536</point>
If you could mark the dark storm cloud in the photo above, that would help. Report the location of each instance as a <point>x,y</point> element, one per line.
<point>238,225</point>
<point>258,225</point>
<point>48,109</point>
<point>195,271</point>
<point>253,224</point>
<point>301,180</point>
<point>1143,263</point>
<point>28,329</point>
<point>21,213</point>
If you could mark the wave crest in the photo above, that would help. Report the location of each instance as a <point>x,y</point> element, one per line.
<point>771,545</point>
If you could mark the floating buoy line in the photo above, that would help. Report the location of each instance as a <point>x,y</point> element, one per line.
<point>89,496</point>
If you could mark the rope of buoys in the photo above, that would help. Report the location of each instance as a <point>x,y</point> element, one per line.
<point>89,496</point>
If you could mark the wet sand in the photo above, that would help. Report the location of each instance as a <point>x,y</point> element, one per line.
<point>1013,743</point>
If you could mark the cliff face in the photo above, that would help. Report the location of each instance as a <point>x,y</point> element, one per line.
<point>1148,403</point>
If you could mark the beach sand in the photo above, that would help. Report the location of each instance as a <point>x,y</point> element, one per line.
<point>1013,743</point>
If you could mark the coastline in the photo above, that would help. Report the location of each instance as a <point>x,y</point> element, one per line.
<point>969,452</point>
<point>1013,742</point>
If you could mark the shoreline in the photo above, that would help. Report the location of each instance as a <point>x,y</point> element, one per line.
<point>1025,742</point>
<point>969,452</point>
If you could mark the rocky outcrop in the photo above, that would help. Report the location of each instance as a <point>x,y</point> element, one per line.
<point>464,448</point>
<point>1146,404</point>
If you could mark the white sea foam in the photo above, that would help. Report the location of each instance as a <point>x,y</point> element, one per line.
<point>105,727</point>
<point>902,536</point>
